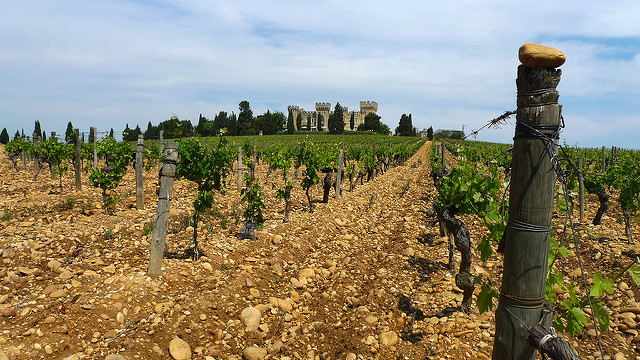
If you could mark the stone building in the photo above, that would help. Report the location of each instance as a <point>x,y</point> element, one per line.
<point>325,109</point>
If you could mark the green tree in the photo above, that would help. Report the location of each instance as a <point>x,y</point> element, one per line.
<point>245,117</point>
<point>68,134</point>
<point>372,122</point>
<point>430,133</point>
<point>299,122</point>
<point>352,121</point>
<point>290,125</point>
<point>405,126</point>
<point>152,132</point>
<point>4,137</point>
<point>309,122</point>
<point>336,120</point>
<point>37,130</point>
<point>320,122</point>
<point>111,133</point>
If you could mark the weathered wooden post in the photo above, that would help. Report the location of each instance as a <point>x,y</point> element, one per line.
<point>581,190</point>
<point>604,159</point>
<point>139,178</point>
<point>444,159</point>
<point>239,168</point>
<point>526,247</point>
<point>23,156</point>
<point>339,174</point>
<point>159,235</point>
<point>94,132</point>
<point>77,167</point>
<point>36,165</point>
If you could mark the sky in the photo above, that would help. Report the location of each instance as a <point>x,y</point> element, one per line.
<point>451,64</point>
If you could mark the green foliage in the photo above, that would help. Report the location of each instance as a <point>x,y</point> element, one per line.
<point>208,168</point>
<point>448,134</point>
<point>336,120</point>
<point>307,155</point>
<point>4,136</point>
<point>251,195</point>
<point>405,126</point>
<point>57,154</point>
<point>290,125</point>
<point>487,293</point>
<point>19,145</point>
<point>117,157</point>
<point>475,189</point>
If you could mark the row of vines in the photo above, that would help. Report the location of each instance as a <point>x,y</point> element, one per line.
<point>477,185</point>
<point>209,162</point>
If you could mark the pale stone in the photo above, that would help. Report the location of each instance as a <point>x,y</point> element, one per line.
<point>250,317</point>
<point>389,338</point>
<point>254,353</point>
<point>284,304</point>
<point>179,349</point>
<point>536,55</point>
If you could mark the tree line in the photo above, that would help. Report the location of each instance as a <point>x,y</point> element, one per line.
<point>245,123</point>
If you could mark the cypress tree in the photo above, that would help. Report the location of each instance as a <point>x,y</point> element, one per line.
<point>4,136</point>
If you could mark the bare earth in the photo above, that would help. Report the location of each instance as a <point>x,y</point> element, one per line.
<point>349,281</point>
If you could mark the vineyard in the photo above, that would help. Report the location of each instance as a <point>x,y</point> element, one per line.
<point>319,247</point>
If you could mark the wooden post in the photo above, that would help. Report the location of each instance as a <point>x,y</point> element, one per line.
<point>160,147</point>
<point>159,234</point>
<point>23,156</point>
<point>94,131</point>
<point>581,190</point>
<point>239,168</point>
<point>339,174</point>
<point>526,247</point>
<point>604,160</point>
<point>139,178</point>
<point>77,167</point>
<point>36,166</point>
<point>444,159</point>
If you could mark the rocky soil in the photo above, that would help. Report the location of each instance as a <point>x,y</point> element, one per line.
<point>360,278</point>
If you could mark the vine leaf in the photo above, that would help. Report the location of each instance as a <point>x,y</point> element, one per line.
<point>602,314</point>
<point>634,272</point>
<point>601,285</point>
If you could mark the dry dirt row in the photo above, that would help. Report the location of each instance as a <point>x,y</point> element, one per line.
<point>360,278</point>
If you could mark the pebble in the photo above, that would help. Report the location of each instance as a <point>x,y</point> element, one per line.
<point>250,317</point>
<point>179,349</point>
<point>115,357</point>
<point>284,304</point>
<point>389,338</point>
<point>48,349</point>
<point>7,311</point>
<point>277,239</point>
<point>254,353</point>
<point>111,269</point>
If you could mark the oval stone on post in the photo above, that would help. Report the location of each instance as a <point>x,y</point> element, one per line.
<point>536,55</point>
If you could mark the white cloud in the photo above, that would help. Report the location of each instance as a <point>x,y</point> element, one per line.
<point>448,64</point>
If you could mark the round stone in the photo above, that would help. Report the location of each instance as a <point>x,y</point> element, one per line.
<point>536,55</point>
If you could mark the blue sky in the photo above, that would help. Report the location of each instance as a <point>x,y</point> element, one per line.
<point>449,64</point>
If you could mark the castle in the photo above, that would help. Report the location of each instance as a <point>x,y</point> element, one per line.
<point>323,110</point>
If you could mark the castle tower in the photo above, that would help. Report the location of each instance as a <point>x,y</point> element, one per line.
<point>324,109</point>
<point>295,110</point>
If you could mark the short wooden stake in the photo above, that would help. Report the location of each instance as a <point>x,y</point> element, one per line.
<point>77,166</point>
<point>94,131</point>
<point>339,174</point>
<point>159,236</point>
<point>604,160</point>
<point>239,168</point>
<point>526,242</point>
<point>139,178</point>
